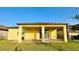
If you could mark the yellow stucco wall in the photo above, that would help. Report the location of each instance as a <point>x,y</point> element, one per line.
<point>31,33</point>
<point>53,34</point>
<point>28,35</point>
<point>34,34</point>
<point>59,25</point>
<point>12,34</point>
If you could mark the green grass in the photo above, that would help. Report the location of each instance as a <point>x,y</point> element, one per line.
<point>6,45</point>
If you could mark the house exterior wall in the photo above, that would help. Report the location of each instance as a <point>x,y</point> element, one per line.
<point>12,34</point>
<point>73,33</point>
<point>53,34</point>
<point>32,32</point>
<point>3,34</point>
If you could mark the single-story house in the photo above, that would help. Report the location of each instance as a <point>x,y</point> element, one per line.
<point>3,32</point>
<point>38,31</point>
<point>73,31</point>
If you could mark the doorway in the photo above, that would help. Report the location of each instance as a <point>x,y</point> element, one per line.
<point>46,34</point>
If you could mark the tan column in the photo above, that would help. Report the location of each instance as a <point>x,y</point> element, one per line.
<point>43,32</point>
<point>65,33</point>
<point>20,34</point>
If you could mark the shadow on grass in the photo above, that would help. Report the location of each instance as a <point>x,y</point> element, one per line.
<point>51,45</point>
<point>59,49</point>
<point>74,40</point>
<point>18,48</point>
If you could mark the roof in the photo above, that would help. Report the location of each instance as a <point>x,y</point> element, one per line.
<point>2,27</point>
<point>41,23</point>
<point>12,27</point>
<point>70,26</point>
<point>75,26</point>
<point>38,23</point>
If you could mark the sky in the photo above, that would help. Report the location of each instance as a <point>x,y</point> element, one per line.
<point>9,16</point>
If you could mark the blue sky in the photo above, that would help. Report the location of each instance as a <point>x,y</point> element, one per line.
<point>9,16</point>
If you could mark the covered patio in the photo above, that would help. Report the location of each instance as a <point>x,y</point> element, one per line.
<point>42,32</point>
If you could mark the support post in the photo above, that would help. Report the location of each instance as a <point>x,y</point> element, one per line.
<point>65,34</point>
<point>43,34</point>
<point>20,34</point>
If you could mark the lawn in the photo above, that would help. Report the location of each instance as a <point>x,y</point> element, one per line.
<point>6,45</point>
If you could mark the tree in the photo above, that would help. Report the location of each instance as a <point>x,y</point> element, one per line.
<point>77,15</point>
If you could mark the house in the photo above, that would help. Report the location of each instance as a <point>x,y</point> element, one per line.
<point>3,32</point>
<point>73,31</point>
<point>38,31</point>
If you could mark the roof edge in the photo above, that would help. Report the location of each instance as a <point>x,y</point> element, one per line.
<point>41,23</point>
<point>12,27</point>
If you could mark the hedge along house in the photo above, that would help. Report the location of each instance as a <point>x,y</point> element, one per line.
<point>38,31</point>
